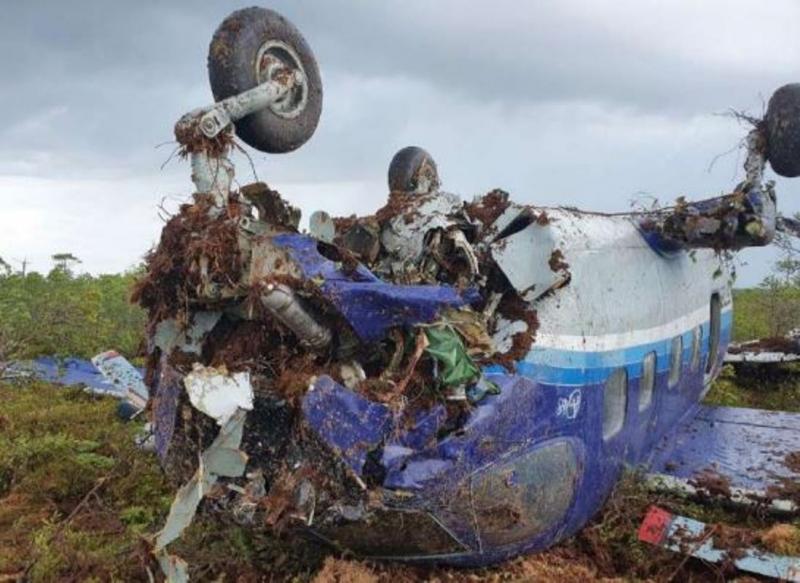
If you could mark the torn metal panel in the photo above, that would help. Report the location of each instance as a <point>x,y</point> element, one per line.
<point>217,393</point>
<point>525,258</point>
<point>734,453</point>
<point>322,227</point>
<point>734,221</point>
<point>745,218</point>
<point>272,209</point>
<point>349,424</point>
<point>503,338</point>
<point>699,489</point>
<point>746,356</point>
<point>121,373</point>
<point>170,335</point>
<point>687,536</point>
<point>766,350</point>
<point>370,305</point>
<point>223,458</point>
<point>404,236</point>
<point>66,372</point>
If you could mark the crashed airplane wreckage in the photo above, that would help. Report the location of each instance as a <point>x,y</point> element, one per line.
<point>442,381</point>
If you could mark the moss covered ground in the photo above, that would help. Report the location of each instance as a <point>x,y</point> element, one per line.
<point>79,501</point>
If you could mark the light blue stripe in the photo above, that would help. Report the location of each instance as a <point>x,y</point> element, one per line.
<point>570,367</point>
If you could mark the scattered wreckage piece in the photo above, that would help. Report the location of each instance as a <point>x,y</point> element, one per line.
<point>68,372</point>
<point>107,374</point>
<point>222,459</point>
<point>766,350</point>
<point>707,542</point>
<point>755,453</point>
<point>127,378</point>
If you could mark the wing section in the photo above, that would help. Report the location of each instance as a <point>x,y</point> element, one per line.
<point>750,456</point>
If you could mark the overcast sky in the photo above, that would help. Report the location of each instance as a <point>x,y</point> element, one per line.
<point>581,103</point>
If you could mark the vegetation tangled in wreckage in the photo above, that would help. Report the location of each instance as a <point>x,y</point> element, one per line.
<point>79,501</point>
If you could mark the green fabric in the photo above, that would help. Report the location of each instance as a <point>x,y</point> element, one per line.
<point>445,345</point>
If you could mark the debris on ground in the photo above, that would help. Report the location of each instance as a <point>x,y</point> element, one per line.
<point>732,548</point>
<point>771,350</point>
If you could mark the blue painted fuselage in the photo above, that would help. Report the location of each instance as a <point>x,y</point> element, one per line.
<point>624,352</point>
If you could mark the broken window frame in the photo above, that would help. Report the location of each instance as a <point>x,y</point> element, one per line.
<point>647,381</point>
<point>697,340</point>
<point>615,403</point>
<point>714,331</point>
<point>675,361</point>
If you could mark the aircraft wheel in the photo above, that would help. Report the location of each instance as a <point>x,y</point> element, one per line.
<point>252,46</point>
<point>783,131</point>
<point>413,170</point>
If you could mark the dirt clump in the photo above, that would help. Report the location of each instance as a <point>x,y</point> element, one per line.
<point>489,207</point>
<point>712,483</point>
<point>792,461</point>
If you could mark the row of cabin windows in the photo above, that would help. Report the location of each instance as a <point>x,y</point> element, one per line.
<point>615,400</point>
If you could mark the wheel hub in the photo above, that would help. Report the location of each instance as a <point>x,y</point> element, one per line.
<point>274,61</point>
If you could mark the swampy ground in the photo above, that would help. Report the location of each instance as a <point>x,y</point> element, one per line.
<point>79,502</point>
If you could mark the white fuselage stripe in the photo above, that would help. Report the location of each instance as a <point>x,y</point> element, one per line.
<point>628,339</point>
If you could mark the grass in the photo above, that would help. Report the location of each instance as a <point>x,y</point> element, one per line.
<point>774,389</point>
<point>75,493</point>
<point>79,502</point>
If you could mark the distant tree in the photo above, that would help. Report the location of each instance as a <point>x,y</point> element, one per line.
<point>781,298</point>
<point>67,315</point>
<point>64,261</point>
<point>5,268</point>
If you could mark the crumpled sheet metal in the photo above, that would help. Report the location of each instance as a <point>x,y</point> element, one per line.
<point>685,535</point>
<point>404,236</point>
<point>169,335</point>
<point>66,372</point>
<point>352,425</point>
<point>349,424</point>
<point>222,459</point>
<point>217,393</point>
<point>122,374</point>
<point>412,454</point>
<point>371,306</point>
<point>732,221</point>
<point>525,257</point>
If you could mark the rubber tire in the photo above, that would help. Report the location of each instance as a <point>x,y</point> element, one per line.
<point>783,131</point>
<point>404,167</point>
<point>231,70</point>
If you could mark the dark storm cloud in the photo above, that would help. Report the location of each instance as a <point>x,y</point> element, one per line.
<point>560,102</point>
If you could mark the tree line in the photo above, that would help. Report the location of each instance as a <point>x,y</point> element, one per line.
<point>62,313</point>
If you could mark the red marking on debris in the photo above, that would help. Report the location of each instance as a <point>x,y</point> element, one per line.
<point>655,525</point>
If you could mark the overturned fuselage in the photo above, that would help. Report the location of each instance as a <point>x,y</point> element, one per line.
<point>443,380</point>
<point>482,406</point>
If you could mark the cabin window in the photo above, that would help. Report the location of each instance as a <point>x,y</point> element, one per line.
<point>615,400</point>
<point>647,381</point>
<point>697,340</point>
<point>676,352</point>
<point>714,332</point>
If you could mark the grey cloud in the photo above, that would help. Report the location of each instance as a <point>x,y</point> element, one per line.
<point>558,102</point>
